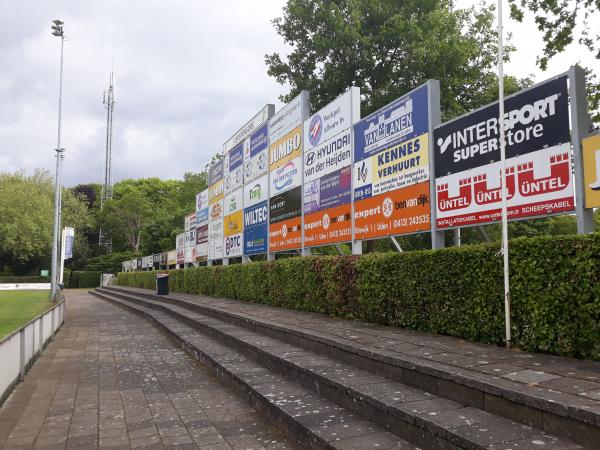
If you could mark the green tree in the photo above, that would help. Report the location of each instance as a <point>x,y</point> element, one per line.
<point>125,217</point>
<point>27,217</point>
<point>388,48</point>
<point>562,23</point>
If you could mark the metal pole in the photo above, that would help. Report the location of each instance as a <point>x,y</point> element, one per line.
<point>580,122</point>
<point>62,256</point>
<point>59,150</point>
<point>503,176</point>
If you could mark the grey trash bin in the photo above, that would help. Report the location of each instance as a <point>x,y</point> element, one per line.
<point>162,284</point>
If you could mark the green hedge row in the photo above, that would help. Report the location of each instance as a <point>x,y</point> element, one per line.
<point>83,279</point>
<point>26,279</point>
<point>555,290</point>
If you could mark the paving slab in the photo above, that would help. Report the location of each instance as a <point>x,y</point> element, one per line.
<point>111,379</point>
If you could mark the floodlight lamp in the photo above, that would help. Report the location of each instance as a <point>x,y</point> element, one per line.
<point>58,22</point>
<point>57,33</point>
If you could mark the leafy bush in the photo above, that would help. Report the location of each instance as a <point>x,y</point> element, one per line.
<point>83,279</point>
<point>555,290</point>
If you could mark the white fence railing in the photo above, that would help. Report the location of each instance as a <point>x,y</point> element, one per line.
<point>19,349</point>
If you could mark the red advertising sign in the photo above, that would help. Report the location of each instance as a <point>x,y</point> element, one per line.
<point>399,211</point>
<point>285,235</point>
<point>328,226</point>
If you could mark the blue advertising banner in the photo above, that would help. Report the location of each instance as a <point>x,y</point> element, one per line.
<point>255,229</point>
<point>403,119</point>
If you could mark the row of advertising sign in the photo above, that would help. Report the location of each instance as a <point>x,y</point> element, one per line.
<point>290,181</point>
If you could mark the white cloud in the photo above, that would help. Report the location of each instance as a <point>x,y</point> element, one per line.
<point>187,75</point>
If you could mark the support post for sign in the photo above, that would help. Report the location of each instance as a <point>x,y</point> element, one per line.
<point>580,121</point>
<point>246,260</point>
<point>484,233</point>
<point>270,256</point>
<point>457,240</point>
<point>434,119</point>
<point>396,244</point>
<point>355,114</point>
<point>225,261</point>
<point>503,189</point>
<point>339,249</point>
<point>209,262</point>
<point>305,113</point>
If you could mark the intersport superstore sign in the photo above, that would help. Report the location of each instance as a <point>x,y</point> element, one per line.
<point>328,171</point>
<point>538,159</point>
<point>391,168</point>
<point>285,174</point>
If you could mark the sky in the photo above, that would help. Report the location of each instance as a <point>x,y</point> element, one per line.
<point>187,75</point>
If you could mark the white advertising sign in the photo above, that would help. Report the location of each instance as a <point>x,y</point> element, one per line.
<point>287,176</point>
<point>262,116</point>
<point>256,191</point>
<point>286,119</point>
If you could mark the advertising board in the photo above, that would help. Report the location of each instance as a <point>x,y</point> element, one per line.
<point>171,257</point>
<point>233,169</point>
<point>233,224</point>
<point>256,154</point>
<point>591,171</point>
<point>180,248</point>
<point>328,171</point>
<point>256,216</point>
<point>190,245</point>
<point>190,221</point>
<point>202,207</point>
<point>242,134</point>
<point>285,170</point>
<point>202,242</point>
<point>391,168</point>
<point>285,220</point>
<point>538,175</point>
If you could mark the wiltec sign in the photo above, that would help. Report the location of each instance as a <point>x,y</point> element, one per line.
<point>538,176</point>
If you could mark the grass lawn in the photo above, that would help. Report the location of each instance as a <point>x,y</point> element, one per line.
<point>19,307</point>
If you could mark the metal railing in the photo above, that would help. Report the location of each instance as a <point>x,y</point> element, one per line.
<point>20,349</point>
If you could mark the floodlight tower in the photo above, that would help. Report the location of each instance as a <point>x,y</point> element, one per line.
<point>109,103</point>
<point>57,30</point>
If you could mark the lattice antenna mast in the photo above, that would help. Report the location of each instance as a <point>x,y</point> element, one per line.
<point>109,103</point>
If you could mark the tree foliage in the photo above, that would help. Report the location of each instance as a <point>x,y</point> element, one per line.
<point>561,24</point>
<point>146,214</point>
<point>388,48</point>
<point>27,217</point>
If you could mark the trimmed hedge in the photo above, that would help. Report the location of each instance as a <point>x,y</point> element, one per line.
<point>84,279</point>
<point>25,279</point>
<point>555,290</point>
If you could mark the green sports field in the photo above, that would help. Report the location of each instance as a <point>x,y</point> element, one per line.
<point>19,307</point>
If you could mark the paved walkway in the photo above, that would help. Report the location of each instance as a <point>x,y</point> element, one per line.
<point>111,379</point>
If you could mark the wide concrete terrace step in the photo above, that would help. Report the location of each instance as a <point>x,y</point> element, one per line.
<point>422,417</point>
<point>310,418</point>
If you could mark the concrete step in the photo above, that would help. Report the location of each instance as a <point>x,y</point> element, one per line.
<point>414,414</point>
<point>311,419</point>
<point>550,408</point>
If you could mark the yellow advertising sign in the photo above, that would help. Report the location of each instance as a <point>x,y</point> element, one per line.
<point>233,223</point>
<point>591,171</point>
<point>215,192</point>
<point>401,165</point>
<point>285,149</point>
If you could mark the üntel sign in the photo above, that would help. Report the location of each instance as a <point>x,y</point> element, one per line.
<point>538,175</point>
<point>260,118</point>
